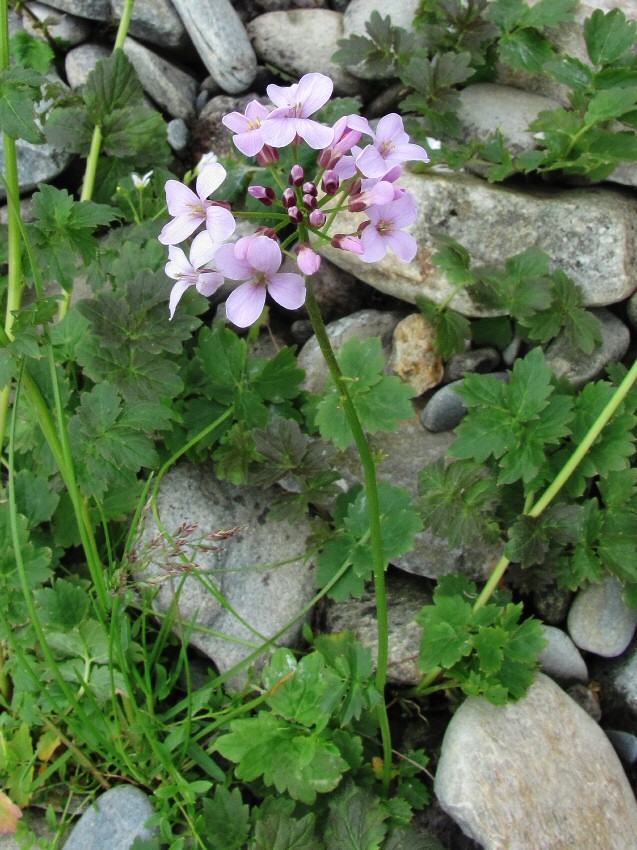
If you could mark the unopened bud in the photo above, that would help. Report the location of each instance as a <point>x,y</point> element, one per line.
<point>347,243</point>
<point>266,231</point>
<point>267,155</point>
<point>330,182</point>
<point>309,188</point>
<point>308,260</point>
<point>289,198</point>
<point>356,187</point>
<point>317,218</point>
<point>265,194</point>
<point>310,202</point>
<point>297,175</point>
<point>295,215</point>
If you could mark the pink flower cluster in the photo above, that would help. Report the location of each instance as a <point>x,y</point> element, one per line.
<point>362,177</point>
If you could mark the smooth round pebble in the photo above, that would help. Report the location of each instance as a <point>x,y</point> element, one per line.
<point>113,822</point>
<point>625,744</point>
<point>560,659</point>
<point>444,410</point>
<point>599,621</point>
<point>178,134</point>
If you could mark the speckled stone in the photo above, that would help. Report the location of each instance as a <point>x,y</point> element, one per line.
<point>172,89</point>
<point>599,621</point>
<point>413,357</point>
<point>95,10</point>
<point>67,30</point>
<point>80,61</point>
<point>480,360</point>
<point>560,659</point>
<point>154,21</point>
<point>114,821</point>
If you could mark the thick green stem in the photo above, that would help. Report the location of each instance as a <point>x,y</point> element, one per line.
<point>371,491</point>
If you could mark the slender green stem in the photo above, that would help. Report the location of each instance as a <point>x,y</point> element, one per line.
<point>371,490</point>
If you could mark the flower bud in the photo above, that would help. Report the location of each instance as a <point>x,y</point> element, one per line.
<point>346,242</point>
<point>288,198</point>
<point>317,218</point>
<point>310,202</point>
<point>266,231</point>
<point>297,175</point>
<point>330,182</point>
<point>308,261</point>
<point>267,155</point>
<point>309,188</point>
<point>265,194</point>
<point>295,215</point>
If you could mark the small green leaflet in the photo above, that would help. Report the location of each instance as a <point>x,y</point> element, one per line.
<point>30,52</point>
<point>356,820</point>
<point>19,91</point>
<point>299,692</point>
<point>281,831</point>
<point>381,401</point>
<point>111,85</point>
<point>224,820</point>
<point>62,606</point>
<point>352,690</point>
<point>608,36</point>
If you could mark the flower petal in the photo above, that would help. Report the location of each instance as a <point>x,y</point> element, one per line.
<point>374,247</point>
<point>177,265</point>
<point>314,90</point>
<point>202,250</point>
<point>264,255</point>
<point>281,95</point>
<point>179,198</point>
<point>232,266</point>
<point>220,223</point>
<point>175,294</point>
<point>278,132</point>
<point>250,142</point>
<point>179,228</point>
<point>391,128</point>
<point>245,304</point>
<point>209,282</point>
<point>236,121</point>
<point>288,290</point>
<point>316,135</point>
<point>402,244</point>
<point>210,178</point>
<point>371,163</point>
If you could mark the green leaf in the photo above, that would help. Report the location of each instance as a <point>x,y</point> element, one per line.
<point>111,85</point>
<point>68,128</point>
<point>525,49</point>
<point>279,831</point>
<point>608,36</point>
<point>37,561</point>
<point>224,820</point>
<point>30,52</point>
<point>35,496</point>
<point>550,13</point>
<point>280,378</point>
<point>298,691</point>
<point>569,71</point>
<point>62,606</point>
<point>609,104</point>
<point>506,14</point>
<point>356,820</point>
<point>19,90</point>
<point>411,839</point>
<point>351,663</point>
<point>222,355</point>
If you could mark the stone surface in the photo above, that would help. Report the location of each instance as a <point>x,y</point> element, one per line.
<point>113,822</point>
<point>267,599</point>
<point>172,89</point>
<point>533,775</point>
<point>625,745</point>
<point>358,12</point>
<point>67,30</point>
<point>599,621</point>
<point>155,21</point>
<point>578,367</point>
<point>301,41</point>
<point>444,410</point>
<point>221,41</point>
<point>178,134</point>
<point>95,10</point>
<point>36,164</point>
<point>405,597</point>
<point>480,360</point>
<point>361,325</point>
<point>80,61</point>
<point>589,233</point>
<point>560,659</point>
<point>413,357</point>
<point>405,451</point>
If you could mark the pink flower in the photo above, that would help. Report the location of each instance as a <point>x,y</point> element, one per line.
<point>391,146</point>
<point>384,231</point>
<point>347,242</point>
<point>378,194</point>
<point>295,103</point>
<point>247,127</point>
<point>256,260</point>
<point>347,133</point>
<point>190,273</point>
<point>190,209</point>
<point>307,259</point>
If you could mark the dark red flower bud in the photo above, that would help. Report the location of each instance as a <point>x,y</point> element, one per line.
<point>297,175</point>
<point>267,155</point>
<point>317,218</point>
<point>265,194</point>
<point>330,182</point>
<point>310,202</point>
<point>310,189</point>
<point>295,215</point>
<point>289,198</point>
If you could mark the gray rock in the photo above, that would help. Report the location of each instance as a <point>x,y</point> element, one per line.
<point>36,164</point>
<point>301,329</point>
<point>405,451</point>
<point>301,41</point>
<point>413,357</point>
<point>619,680</point>
<point>599,621</point>
<point>26,210</point>
<point>625,744</point>
<point>80,61</point>
<point>178,134</point>
<point>267,599</point>
<point>565,786</point>
<point>405,598</point>
<point>113,822</point>
<point>67,30</point>
<point>358,12</point>
<point>560,659</point>
<point>510,353</point>
<point>361,325</point>
<point>473,360</point>
<point>580,368</point>
<point>444,410</point>
<point>171,88</point>
<point>155,21</point>
<point>221,42</point>
<point>95,10</point>
<point>338,293</point>
<point>587,697</point>
<point>201,100</point>
<point>587,232</point>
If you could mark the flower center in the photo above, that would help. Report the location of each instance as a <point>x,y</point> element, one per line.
<point>384,227</point>
<point>253,125</point>
<point>386,147</point>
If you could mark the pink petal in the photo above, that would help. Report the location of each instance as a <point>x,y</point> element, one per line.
<point>202,250</point>
<point>232,266</point>
<point>314,90</point>
<point>391,128</point>
<point>308,261</point>
<point>345,167</point>
<point>245,304</point>
<point>403,211</point>
<point>264,255</point>
<point>374,247</point>
<point>411,152</point>
<point>249,143</point>
<point>256,111</point>
<point>288,290</point>
<point>278,132</point>
<point>178,265</point>
<point>175,295</point>
<point>236,122</point>
<point>179,198</point>
<point>209,179</point>
<point>371,163</point>
<point>209,282</point>
<point>179,228</point>
<point>241,246</point>
<point>281,95</point>
<point>402,244</point>
<point>220,223</point>
<point>316,135</point>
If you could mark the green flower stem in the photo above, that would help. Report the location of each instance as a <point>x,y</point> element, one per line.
<point>374,522</point>
<point>551,492</point>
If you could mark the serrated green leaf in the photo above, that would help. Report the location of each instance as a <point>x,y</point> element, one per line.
<point>30,52</point>
<point>608,36</point>
<point>111,85</point>
<point>19,90</point>
<point>569,71</point>
<point>356,820</point>
<point>68,128</point>
<point>282,832</point>
<point>351,663</point>
<point>525,49</point>
<point>280,378</point>
<point>550,13</point>
<point>609,104</point>
<point>506,14</point>
<point>297,691</point>
<point>62,606</point>
<point>224,820</point>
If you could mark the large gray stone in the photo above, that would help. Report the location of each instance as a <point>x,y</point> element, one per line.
<point>589,233</point>
<point>405,597</point>
<point>300,41</point>
<point>266,598</point>
<point>538,774</point>
<point>221,42</point>
<point>171,88</point>
<point>560,658</point>
<point>599,621</point>
<point>95,10</point>
<point>155,21</point>
<point>114,821</point>
<point>65,29</point>
<point>80,61</point>
<point>36,164</point>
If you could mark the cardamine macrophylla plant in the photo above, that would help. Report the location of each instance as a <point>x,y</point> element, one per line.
<point>359,177</point>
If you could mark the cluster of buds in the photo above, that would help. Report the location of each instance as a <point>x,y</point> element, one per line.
<point>363,179</point>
